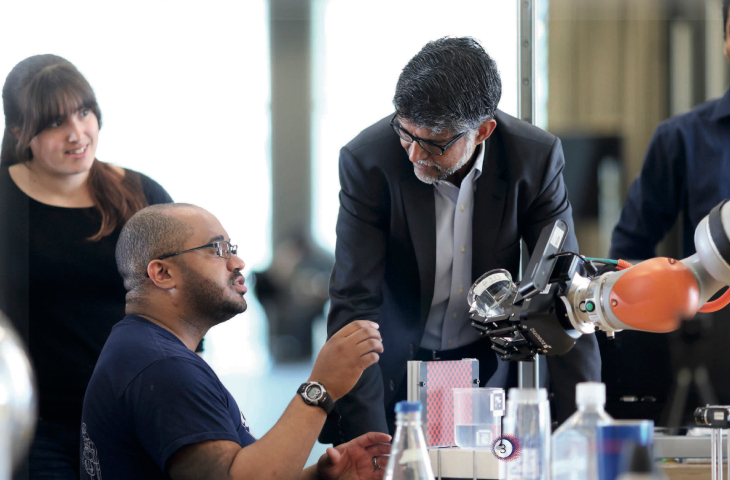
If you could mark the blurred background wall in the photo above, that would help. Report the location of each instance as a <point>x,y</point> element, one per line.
<point>617,68</point>
<point>242,106</point>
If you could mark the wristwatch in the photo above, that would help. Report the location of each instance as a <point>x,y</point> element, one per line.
<point>315,394</point>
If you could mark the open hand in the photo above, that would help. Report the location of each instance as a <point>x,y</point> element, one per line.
<point>354,460</point>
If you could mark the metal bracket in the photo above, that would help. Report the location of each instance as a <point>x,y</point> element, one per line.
<point>526,19</point>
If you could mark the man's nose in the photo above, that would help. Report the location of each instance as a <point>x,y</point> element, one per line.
<point>416,152</point>
<point>235,263</point>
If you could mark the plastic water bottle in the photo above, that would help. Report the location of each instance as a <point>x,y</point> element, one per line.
<point>574,443</point>
<point>409,458</point>
<point>528,424</point>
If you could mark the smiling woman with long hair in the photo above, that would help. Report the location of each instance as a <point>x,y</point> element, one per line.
<point>61,211</point>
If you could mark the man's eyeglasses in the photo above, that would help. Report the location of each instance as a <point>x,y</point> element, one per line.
<point>223,249</point>
<point>428,145</point>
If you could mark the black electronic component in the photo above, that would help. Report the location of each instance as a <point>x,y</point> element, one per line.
<point>537,322</point>
<point>543,259</point>
<point>713,416</point>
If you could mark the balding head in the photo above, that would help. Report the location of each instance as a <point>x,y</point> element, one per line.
<point>150,233</point>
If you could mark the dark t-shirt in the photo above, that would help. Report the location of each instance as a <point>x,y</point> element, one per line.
<point>686,172</point>
<point>61,291</point>
<point>148,397</point>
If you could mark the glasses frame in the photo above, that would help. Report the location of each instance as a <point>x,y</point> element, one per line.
<point>397,128</point>
<point>232,250</point>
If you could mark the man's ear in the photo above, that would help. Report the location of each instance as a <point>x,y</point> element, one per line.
<point>485,130</point>
<point>161,274</point>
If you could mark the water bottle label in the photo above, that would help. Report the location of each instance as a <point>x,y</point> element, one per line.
<point>570,468</point>
<point>531,462</point>
<point>571,450</point>
<point>526,467</point>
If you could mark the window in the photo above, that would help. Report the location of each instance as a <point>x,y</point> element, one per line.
<point>184,95</point>
<point>359,50</point>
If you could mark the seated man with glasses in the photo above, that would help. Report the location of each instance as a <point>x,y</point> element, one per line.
<point>431,198</point>
<point>155,410</point>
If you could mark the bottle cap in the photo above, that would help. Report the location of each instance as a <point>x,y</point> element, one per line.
<point>407,407</point>
<point>590,393</point>
<point>527,395</point>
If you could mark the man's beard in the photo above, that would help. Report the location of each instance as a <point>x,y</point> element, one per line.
<point>443,173</point>
<point>207,299</point>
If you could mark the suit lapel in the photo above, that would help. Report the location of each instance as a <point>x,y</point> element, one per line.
<point>420,212</point>
<point>489,203</point>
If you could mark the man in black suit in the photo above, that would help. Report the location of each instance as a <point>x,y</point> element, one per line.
<point>431,198</point>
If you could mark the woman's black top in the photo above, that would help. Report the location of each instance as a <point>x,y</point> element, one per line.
<point>62,291</point>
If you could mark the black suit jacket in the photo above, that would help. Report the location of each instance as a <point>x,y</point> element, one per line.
<point>385,257</point>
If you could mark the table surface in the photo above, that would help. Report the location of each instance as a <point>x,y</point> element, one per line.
<point>685,471</point>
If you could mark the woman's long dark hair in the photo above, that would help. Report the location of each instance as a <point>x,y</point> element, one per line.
<point>41,89</point>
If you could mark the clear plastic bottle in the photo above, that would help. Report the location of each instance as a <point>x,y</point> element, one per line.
<point>528,422</point>
<point>574,443</point>
<point>409,458</point>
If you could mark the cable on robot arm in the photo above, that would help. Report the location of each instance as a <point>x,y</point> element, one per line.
<point>587,263</point>
<point>718,304</point>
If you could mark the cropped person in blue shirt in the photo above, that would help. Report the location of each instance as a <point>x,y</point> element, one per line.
<point>155,410</point>
<point>686,172</point>
<point>686,169</point>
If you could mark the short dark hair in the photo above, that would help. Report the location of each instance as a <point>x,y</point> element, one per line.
<point>451,84</point>
<point>725,8</point>
<point>150,233</point>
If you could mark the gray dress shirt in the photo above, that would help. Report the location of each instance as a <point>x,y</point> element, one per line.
<point>448,325</point>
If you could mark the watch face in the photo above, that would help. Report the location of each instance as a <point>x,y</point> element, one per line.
<point>314,392</point>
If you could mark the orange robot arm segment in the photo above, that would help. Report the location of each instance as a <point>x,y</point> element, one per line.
<point>655,295</point>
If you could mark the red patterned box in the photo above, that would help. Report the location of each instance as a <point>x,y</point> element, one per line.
<point>432,383</point>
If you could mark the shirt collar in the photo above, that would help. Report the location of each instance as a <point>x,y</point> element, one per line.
<point>480,161</point>
<point>722,108</point>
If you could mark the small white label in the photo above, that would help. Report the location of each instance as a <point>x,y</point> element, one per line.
<point>484,438</point>
<point>410,455</point>
<point>718,416</point>
<point>496,404</point>
<point>557,237</point>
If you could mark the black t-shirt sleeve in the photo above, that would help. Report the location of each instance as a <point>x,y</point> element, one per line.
<point>176,402</point>
<point>153,191</point>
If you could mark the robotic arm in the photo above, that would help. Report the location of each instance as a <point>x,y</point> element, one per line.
<point>563,297</point>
